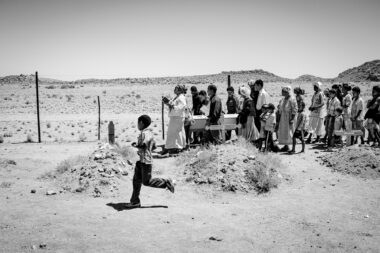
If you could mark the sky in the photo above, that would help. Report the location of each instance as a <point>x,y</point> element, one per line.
<point>74,39</point>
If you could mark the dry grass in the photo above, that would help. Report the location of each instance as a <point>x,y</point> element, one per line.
<point>65,166</point>
<point>128,153</point>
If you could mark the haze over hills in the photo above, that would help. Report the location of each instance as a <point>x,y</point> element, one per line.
<point>369,71</point>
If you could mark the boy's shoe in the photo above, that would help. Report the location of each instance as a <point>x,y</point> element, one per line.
<point>133,205</point>
<point>169,185</point>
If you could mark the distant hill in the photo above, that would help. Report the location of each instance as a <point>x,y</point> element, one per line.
<point>27,80</point>
<point>369,71</point>
<point>311,78</point>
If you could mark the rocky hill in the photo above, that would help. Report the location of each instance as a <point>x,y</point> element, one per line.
<point>310,78</point>
<point>369,71</point>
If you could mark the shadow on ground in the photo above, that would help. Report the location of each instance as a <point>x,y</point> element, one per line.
<point>124,206</point>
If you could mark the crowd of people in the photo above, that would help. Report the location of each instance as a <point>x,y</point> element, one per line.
<point>332,110</point>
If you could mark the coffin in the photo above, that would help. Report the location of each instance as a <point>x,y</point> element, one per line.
<point>200,122</point>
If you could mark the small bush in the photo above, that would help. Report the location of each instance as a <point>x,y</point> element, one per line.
<point>50,87</point>
<point>6,135</point>
<point>87,97</point>
<point>1,139</point>
<point>128,153</point>
<point>82,137</point>
<point>29,138</point>
<point>104,92</point>
<point>48,125</point>
<point>67,86</point>
<point>138,96</point>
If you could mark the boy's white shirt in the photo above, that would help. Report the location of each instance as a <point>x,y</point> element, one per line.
<point>145,137</point>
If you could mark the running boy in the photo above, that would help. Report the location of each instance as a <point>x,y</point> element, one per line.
<point>143,168</point>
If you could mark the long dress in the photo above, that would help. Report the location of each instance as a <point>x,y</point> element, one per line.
<point>249,130</point>
<point>176,136</point>
<point>287,108</point>
<point>317,117</point>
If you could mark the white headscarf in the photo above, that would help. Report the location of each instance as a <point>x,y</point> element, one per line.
<point>289,89</point>
<point>318,84</point>
<point>244,91</point>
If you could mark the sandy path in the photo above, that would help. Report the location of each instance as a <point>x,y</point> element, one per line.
<point>318,211</point>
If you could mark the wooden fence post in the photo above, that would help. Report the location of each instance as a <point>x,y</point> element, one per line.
<point>38,110</point>
<point>98,118</point>
<point>163,120</point>
<point>111,133</point>
<point>228,81</point>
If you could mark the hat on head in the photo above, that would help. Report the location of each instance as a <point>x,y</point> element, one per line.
<point>245,91</point>
<point>318,85</point>
<point>145,119</point>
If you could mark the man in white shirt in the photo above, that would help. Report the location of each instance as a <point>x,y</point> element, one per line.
<point>262,99</point>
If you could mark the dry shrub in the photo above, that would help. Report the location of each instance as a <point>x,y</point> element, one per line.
<point>65,166</point>
<point>1,139</point>
<point>128,153</point>
<point>48,125</point>
<point>82,137</point>
<point>67,86</point>
<point>29,138</point>
<point>50,87</point>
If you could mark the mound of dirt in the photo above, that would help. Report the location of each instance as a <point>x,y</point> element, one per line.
<point>98,174</point>
<point>232,167</point>
<point>359,161</point>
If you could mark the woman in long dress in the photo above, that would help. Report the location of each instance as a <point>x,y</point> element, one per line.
<point>176,136</point>
<point>287,112</point>
<point>246,116</point>
<point>317,113</point>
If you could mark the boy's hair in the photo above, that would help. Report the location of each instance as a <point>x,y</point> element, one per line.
<point>193,89</point>
<point>332,91</point>
<point>339,110</point>
<point>231,89</point>
<point>376,88</point>
<point>259,82</point>
<point>203,93</point>
<point>212,87</point>
<point>356,89</point>
<point>145,119</point>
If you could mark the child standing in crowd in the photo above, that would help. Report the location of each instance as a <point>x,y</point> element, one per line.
<point>143,168</point>
<point>357,113</point>
<point>326,92</point>
<point>346,104</point>
<point>338,126</point>
<point>317,113</point>
<point>299,132</point>
<point>333,105</point>
<point>267,124</point>
<point>373,115</point>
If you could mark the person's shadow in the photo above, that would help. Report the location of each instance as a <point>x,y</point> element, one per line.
<point>124,206</point>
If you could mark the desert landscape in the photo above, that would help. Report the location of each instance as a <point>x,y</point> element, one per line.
<point>67,193</point>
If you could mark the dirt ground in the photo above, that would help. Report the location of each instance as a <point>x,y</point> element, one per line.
<point>314,209</point>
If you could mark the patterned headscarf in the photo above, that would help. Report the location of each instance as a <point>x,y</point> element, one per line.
<point>318,84</point>
<point>288,89</point>
<point>244,91</point>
